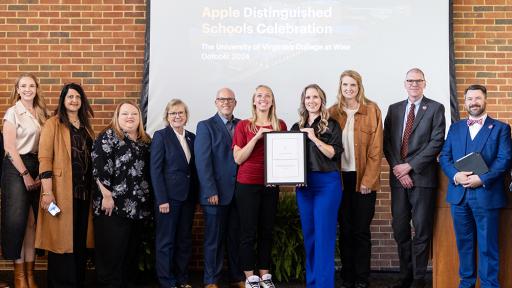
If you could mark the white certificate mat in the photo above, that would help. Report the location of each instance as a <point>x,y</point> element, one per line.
<point>285,158</point>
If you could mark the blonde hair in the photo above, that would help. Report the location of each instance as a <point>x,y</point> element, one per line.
<point>39,103</point>
<point>114,124</point>
<point>271,114</point>
<point>324,113</point>
<point>172,103</point>
<point>360,97</point>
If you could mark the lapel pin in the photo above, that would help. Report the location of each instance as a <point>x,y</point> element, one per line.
<point>424,107</point>
<point>490,126</point>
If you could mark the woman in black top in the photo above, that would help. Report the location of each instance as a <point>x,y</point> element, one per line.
<point>319,201</point>
<point>121,168</point>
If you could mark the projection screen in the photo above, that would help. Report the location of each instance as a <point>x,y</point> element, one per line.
<point>199,46</point>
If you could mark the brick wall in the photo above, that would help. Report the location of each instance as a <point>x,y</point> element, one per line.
<point>100,43</point>
<point>483,51</point>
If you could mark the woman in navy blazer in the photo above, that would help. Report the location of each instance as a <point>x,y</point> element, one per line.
<point>174,178</point>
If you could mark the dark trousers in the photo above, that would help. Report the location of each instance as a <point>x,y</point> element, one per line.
<point>257,205</point>
<point>116,241</point>
<point>222,228</point>
<point>475,225</point>
<point>318,206</point>
<point>416,204</point>
<point>16,204</point>
<point>354,218</point>
<point>174,243</point>
<point>68,269</point>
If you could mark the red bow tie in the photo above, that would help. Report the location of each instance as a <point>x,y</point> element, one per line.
<point>470,122</point>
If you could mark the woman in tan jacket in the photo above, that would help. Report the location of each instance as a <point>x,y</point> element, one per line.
<point>361,122</point>
<point>66,175</point>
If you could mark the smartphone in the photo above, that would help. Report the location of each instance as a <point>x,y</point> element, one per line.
<point>53,209</point>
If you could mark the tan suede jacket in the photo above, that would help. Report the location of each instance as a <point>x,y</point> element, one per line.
<point>367,141</point>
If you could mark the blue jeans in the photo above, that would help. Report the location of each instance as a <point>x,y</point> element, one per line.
<point>16,204</point>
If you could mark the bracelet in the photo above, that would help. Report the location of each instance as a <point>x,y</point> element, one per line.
<point>24,173</point>
<point>46,193</point>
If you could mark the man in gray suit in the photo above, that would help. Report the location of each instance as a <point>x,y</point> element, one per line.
<point>413,137</point>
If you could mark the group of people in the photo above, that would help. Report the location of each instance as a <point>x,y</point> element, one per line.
<point>128,177</point>
<point>54,169</point>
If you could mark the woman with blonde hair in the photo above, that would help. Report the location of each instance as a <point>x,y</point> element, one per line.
<point>175,186</point>
<point>66,176</point>
<point>258,202</point>
<point>20,181</point>
<point>362,138</point>
<point>120,160</point>
<point>319,201</point>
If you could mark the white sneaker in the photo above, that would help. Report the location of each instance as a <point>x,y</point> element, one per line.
<point>252,282</point>
<point>266,281</point>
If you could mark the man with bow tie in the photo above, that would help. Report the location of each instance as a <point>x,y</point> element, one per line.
<point>413,136</point>
<point>476,199</point>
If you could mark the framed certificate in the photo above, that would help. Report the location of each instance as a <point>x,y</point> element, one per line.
<point>285,158</point>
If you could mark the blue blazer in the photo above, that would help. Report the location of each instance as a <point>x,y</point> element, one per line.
<point>494,144</point>
<point>214,161</point>
<point>172,177</point>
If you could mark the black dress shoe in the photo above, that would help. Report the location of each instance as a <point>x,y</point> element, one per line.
<point>418,283</point>
<point>346,284</point>
<point>402,283</point>
<point>360,284</point>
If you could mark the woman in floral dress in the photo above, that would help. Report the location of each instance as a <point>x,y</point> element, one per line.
<point>121,168</point>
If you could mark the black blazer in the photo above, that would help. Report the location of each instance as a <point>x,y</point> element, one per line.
<point>425,142</point>
<point>172,177</point>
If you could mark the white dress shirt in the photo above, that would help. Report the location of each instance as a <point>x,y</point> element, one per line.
<point>473,129</point>
<point>184,144</point>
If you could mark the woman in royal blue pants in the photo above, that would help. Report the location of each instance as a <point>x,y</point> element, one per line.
<point>319,201</point>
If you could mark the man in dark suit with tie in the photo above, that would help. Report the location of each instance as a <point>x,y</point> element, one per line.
<point>217,170</point>
<point>413,136</point>
<point>476,199</point>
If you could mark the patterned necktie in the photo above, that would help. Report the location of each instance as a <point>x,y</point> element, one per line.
<point>407,133</point>
<point>229,126</point>
<point>470,122</point>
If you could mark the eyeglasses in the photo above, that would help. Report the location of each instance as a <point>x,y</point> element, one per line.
<point>174,114</point>
<point>226,100</point>
<point>414,81</point>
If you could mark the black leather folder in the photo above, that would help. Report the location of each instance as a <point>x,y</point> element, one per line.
<point>473,162</point>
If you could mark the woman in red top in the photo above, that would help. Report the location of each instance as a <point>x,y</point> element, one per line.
<point>258,203</point>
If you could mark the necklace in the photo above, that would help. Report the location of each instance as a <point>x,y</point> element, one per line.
<point>76,122</point>
<point>32,111</point>
<point>354,107</point>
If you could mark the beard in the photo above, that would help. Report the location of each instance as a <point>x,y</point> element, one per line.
<point>478,112</point>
